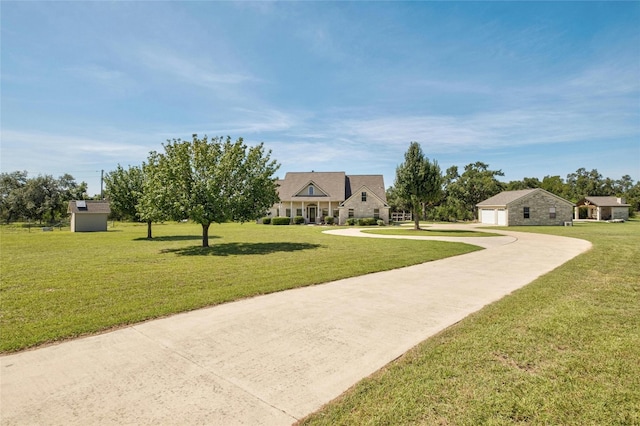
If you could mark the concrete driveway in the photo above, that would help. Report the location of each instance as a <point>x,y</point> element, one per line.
<point>268,360</point>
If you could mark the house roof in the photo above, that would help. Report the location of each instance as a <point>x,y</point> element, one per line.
<point>92,206</point>
<point>332,186</point>
<point>505,198</point>
<point>375,183</point>
<point>604,201</point>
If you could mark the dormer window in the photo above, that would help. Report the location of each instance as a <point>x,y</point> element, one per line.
<point>311,189</point>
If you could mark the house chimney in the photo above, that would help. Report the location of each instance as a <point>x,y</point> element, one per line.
<point>621,200</point>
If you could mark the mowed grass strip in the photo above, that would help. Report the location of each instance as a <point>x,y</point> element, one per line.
<point>57,285</point>
<point>564,350</point>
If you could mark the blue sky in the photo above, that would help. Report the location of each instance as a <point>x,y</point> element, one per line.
<point>531,88</point>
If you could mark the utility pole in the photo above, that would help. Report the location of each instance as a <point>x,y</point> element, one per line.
<point>101,184</point>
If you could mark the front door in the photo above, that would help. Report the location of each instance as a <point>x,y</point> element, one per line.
<point>312,214</point>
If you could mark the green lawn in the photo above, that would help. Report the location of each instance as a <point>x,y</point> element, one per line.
<point>57,285</point>
<point>564,350</point>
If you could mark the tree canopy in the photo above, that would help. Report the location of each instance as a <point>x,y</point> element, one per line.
<point>418,182</point>
<point>209,181</point>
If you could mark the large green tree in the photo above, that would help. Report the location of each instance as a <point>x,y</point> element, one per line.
<point>124,188</point>
<point>210,181</point>
<point>418,182</point>
<point>475,184</point>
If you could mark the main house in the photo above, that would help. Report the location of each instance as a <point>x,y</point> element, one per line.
<point>316,195</point>
<point>525,207</point>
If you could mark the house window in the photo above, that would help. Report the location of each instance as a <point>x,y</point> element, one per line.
<point>526,212</point>
<point>298,212</point>
<point>364,197</point>
<point>552,212</point>
<point>350,212</point>
<point>311,189</point>
<point>288,212</point>
<point>376,213</point>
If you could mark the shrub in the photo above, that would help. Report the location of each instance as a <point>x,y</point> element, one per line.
<point>298,220</point>
<point>380,222</point>
<point>351,221</point>
<point>266,220</point>
<point>280,221</point>
<point>367,221</point>
<point>328,220</point>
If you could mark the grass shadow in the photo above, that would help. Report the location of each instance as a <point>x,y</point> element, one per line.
<point>231,249</point>
<point>175,238</point>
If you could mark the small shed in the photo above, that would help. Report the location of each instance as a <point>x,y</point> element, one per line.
<point>603,208</point>
<point>525,207</point>
<point>89,215</point>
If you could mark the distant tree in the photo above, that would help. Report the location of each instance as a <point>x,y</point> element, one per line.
<point>124,189</point>
<point>585,183</point>
<point>211,181</point>
<point>526,183</point>
<point>475,184</point>
<point>418,182</point>
<point>70,189</point>
<point>11,195</point>
<point>555,185</point>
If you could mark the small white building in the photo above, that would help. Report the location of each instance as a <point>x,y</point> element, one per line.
<point>603,208</point>
<point>89,215</point>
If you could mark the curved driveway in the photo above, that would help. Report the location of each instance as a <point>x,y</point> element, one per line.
<point>271,359</point>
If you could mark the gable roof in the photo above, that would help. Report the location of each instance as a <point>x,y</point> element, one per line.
<point>505,198</point>
<point>604,201</point>
<point>374,183</point>
<point>331,183</point>
<point>92,206</point>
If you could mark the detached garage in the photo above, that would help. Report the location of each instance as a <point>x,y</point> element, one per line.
<point>89,215</point>
<point>525,207</point>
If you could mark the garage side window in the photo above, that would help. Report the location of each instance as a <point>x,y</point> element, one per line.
<point>552,212</point>
<point>525,211</point>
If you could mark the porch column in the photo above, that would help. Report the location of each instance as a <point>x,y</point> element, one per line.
<point>304,213</point>
<point>598,213</point>
<point>576,213</point>
<point>291,211</point>
<point>330,212</point>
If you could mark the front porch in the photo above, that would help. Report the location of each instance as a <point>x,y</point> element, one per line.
<point>312,212</point>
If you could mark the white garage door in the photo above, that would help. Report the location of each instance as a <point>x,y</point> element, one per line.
<point>488,216</point>
<point>502,217</point>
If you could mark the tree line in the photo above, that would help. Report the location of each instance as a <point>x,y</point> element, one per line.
<point>42,198</point>
<point>421,188</point>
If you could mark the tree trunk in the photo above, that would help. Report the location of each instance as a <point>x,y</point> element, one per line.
<point>416,219</point>
<point>205,235</point>
<point>149,236</point>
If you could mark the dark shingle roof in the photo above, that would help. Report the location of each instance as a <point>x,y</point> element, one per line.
<point>93,206</point>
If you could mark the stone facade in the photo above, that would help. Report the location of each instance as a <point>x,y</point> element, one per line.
<point>545,209</point>
<point>525,207</point>
<point>364,204</point>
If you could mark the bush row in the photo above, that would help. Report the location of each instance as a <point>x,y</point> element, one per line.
<point>329,220</point>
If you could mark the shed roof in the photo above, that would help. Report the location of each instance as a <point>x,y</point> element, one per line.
<point>604,201</point>
<point>92,207</point>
